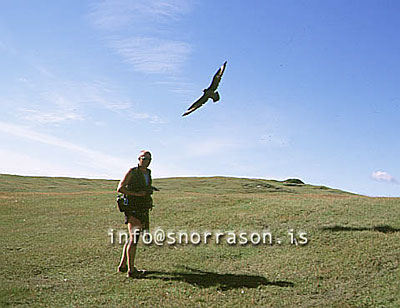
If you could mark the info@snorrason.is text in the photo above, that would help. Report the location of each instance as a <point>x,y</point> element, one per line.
<point>161,237</point>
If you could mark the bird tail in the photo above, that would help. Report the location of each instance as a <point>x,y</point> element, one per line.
<point>215,97</point>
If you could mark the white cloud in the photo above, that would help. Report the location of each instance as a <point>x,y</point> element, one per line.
<point>94,158</point>
<point>87,163</point>
<point>44,117</point>
<point>145,116</point>
<point>97,92</point>
<point>113,15</point>
<point>177,86</point>
<point>134,30</point>
<point>55,101</point>
<point>13,162</point>
<point>384,177</point>
<point>152,55</point>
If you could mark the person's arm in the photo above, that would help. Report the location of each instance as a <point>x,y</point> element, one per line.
<point>122,186</point>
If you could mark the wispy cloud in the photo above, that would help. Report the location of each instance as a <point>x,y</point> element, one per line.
<point>95,158</point>
<point>44,117</point>
<point>152,55</point>
<point>45,101</point>
<point>149,47</point>
<point>177,86</point>
<point>144,116</point>
<point>112,15</point>
<point>14,162</point>
<point>382,176</point>
<point>96,164</point>
<point>58,101</point>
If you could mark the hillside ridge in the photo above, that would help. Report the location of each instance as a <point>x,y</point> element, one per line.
<point>210,184</point>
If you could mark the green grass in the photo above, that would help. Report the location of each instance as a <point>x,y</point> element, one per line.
<point>56,251</point>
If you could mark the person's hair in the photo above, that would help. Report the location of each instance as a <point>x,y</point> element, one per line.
<point>143,152</point>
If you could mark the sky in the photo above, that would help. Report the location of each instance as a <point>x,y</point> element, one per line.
<point>311,89</point>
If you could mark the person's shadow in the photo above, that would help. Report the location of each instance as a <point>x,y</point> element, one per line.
<point>383,229</point>
<point>204,279</point>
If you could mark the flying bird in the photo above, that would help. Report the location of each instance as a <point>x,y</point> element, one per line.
<point>210,92</point>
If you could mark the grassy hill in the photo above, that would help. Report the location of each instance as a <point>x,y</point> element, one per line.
<point>56,249</point>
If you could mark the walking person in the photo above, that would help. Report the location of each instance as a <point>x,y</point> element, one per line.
<point>136,186</point>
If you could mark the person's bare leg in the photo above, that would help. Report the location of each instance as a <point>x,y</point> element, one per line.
<point>131,253</point>
<point>122,263</point>
<point>133,224</point>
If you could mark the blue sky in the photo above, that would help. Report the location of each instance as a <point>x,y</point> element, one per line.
<point>311,89</point>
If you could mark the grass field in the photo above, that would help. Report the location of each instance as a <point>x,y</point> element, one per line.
<point>56,250</point>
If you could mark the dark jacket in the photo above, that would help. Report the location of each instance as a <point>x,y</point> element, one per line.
<point>138,184</point>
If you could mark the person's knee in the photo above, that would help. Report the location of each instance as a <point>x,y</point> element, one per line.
<point>134,236</point>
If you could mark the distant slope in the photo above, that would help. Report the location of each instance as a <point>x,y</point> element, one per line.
<point>214,185</point>
<point>16,183</point>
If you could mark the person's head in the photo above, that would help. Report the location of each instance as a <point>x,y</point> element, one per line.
<point>144,158</point>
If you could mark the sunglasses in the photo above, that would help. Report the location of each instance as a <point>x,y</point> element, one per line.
<point>144,158</point>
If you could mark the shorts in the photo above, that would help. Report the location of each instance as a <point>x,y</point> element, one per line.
<point>143,217</point>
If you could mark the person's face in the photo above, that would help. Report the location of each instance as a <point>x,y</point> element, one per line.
<point>144,160</point>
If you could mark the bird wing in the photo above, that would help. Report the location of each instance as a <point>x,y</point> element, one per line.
<point>197,104</point>
<point>217,77</point>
